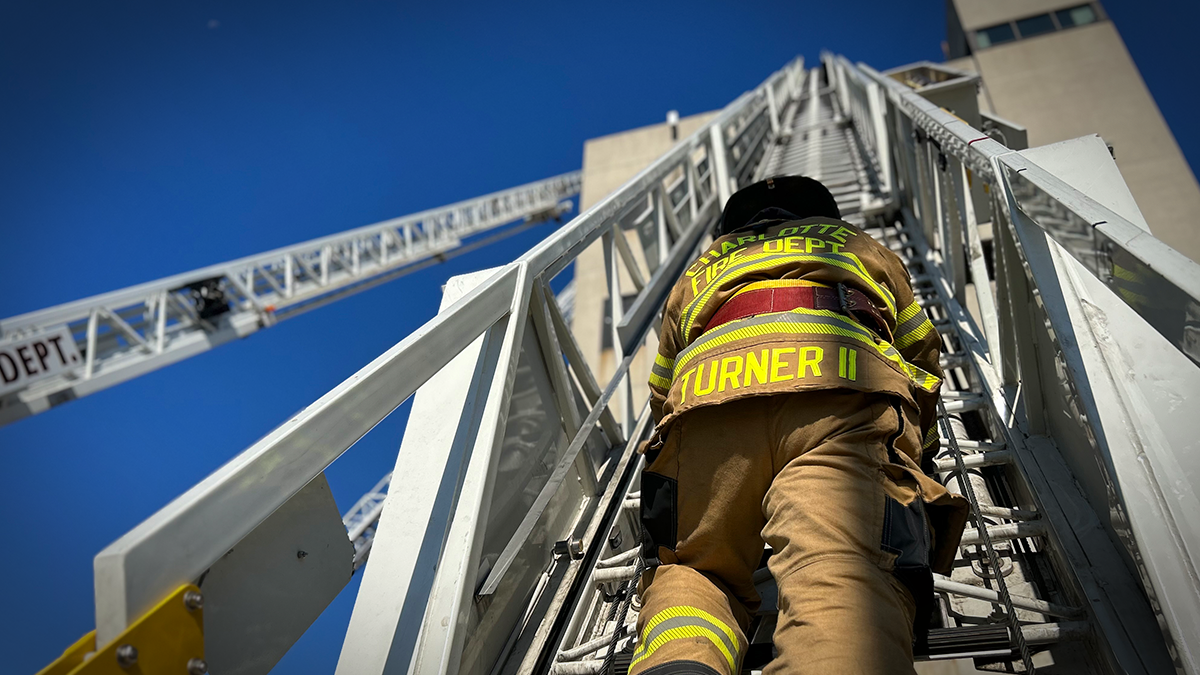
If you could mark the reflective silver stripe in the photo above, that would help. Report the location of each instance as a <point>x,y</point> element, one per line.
<point>847,261</point>
<point>838,324</point>
<point>911,325</point>
<point>684,621</point>
<point>801,321</point>
<point>662,372</point>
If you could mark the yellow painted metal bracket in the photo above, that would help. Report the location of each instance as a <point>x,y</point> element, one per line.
<point>167,640</point>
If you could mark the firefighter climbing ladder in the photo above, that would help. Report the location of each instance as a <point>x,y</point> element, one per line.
<point>511,544</point>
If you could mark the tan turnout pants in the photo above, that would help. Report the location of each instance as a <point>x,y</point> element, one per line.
<point>804,473</point>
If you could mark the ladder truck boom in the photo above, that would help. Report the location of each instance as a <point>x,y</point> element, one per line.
<point>55,355</point>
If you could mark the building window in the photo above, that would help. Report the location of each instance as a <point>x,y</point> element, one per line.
<point>1076,16</point>
<point>1040,24</point>
<point>1035,25</point>
<point>996,35</point>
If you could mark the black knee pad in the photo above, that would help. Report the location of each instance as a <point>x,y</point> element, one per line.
<point>681,668</point>
<point>906,533</point>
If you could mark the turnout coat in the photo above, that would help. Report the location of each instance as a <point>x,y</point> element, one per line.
<point>803,349</point>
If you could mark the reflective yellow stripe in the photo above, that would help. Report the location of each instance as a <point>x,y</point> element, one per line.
<point>913,335</point>
<point>687,632</point>
<point>931,437</point>
<point>908,313</point>
<point>789,323</point>
<point>778,283</point>
<point>660,372</point>
<point>790,327</point>
<point>684,621</point>
<point>760,261</point>
<point>906,333</point>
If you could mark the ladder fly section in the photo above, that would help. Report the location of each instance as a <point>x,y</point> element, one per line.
<point>511,543</point>
<point>818,141</point>
<point>58,354</point>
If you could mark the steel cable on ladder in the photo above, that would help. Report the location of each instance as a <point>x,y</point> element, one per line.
<point>981,526</point>
<point>627,591</point>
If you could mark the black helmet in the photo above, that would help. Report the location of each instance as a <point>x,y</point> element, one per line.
<point>799,196</point>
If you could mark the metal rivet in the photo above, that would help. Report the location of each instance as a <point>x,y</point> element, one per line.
<point>193,600</point>
<point>126,655</point>
<point>301,554</point>
<point>197,667</point>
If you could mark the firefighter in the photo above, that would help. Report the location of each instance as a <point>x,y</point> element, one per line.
<point>794,392</point>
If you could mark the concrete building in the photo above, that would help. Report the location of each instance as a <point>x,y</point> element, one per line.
<point>608,162</point>
<point>1060,69</point>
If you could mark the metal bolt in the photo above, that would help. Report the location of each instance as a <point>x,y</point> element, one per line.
<point>300,555</point>
<point>193,600</point>
<point>614,538</point>
<point>197,667</point>
<point>126,655</point>
<point>572,548</point>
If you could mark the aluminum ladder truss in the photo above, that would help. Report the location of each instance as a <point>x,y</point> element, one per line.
<point>510,545</point>
<point>55,355</point>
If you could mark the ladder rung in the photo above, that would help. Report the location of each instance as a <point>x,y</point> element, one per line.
<point>976,460</point>
<point>951,361</point>
<point>964,642</point>
<point>943,584</point>
<point>1007,512</point>
<point>618,559</point>
<point>964,404</point>
<point>576,653</point>
<point>978,446</point>
<point>607,574</point>
<point>1008,532</point>
<point>590,667</point>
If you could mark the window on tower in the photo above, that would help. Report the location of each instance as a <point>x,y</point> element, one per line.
<point>1076,16</point>
<point>1039,24</point>
<point>1035,25</point>
<point>995,35</point>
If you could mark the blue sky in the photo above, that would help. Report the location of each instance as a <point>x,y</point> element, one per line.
<point>142,139</point>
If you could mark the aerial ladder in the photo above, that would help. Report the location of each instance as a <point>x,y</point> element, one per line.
<point>58,354</point>
<point>511,543</point>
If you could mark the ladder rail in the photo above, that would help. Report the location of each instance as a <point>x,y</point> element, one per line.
<point>1100,239</point>
<point>1005,363</point>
